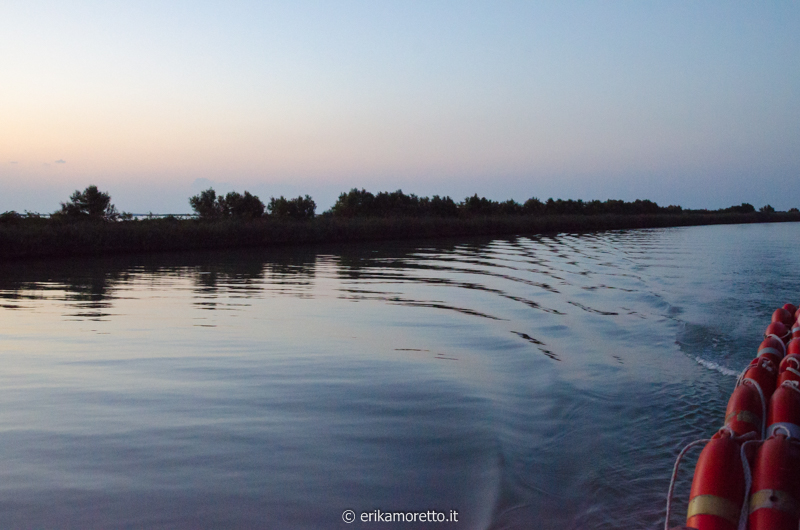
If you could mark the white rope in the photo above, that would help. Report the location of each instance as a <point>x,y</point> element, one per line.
<point>744,438</point>
<point>784,429</point>
<point>748,477</point>
<point>792,358</point>
<point>763,352</point>
<point>744,515</point>
<point>675,475</point>
<point>763,405</point>
<point>741,376</point>
<point>779,340</point>
<point>766,362</point>
<point>794,385</point>
<point>791,385</point>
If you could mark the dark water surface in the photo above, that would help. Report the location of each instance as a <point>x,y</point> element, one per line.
<point>541,382</point>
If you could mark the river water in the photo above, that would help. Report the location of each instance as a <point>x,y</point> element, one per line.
<point>527,382</point>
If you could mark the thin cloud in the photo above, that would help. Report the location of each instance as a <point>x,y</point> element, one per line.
<point>12,162</point>
<point>59,161</point>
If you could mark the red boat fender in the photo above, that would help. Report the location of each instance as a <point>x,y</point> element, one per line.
<point>764,372</point>
<point>783,316</point>
<point>796,329</point>
<point>774,494</point>
<point>745,412</point>
<point>784,410</point>
<point>797,314</point>
<point>792,359</point>
<point>789,369</point>
<point>773,348</point>
<point>790,308</point>
<point>779,330</point>
<point>717,494</point>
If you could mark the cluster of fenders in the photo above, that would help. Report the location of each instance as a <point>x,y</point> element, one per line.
<point>748,475</point>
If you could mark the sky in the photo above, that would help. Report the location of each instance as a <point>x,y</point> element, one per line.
<point>689,103</point>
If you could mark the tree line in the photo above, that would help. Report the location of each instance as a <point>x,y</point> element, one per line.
<point>93,204</point>
<point>361,203</point>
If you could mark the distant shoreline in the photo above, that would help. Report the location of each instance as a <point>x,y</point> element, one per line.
<point>43,238</point>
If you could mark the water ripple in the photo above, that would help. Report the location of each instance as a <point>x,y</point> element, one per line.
<point>246,389</point>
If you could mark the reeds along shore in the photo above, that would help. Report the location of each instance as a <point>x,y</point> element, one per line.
<point>32,237</point>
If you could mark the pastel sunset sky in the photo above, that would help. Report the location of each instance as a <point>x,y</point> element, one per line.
<point>690,103</point>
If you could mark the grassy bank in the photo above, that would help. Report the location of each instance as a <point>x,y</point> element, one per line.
<point>39,237</point>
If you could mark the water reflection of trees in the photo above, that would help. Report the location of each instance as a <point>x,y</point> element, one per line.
<point>90,294</point>
<point>248,274</point>
<point>358,261</point>
<point>436,274</point>
<point>369,275</point>
<point>89,286</point>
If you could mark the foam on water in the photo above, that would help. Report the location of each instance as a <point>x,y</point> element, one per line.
<point>716,367</point>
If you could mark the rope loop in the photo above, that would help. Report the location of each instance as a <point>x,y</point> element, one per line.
<point>754,383</point>
<point>675,475</point>
<point>750,439</point>
<point>748,481</point>
<point>779,340</point>
<point>792,359</point>
<point>784,429</point>
<point>744,439</point>
<point>794,385</point>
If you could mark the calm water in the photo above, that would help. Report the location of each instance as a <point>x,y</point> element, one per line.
<point>526,382</point>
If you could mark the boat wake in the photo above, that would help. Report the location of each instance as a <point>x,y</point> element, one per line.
<point>716,367</point>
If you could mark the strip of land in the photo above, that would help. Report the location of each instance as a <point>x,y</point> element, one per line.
<point>44,238</point>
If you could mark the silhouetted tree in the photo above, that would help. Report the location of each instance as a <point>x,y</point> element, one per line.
<point>441,206</point>
<point>206,205</point>
<point>533,206</point>
<point>354,203</point>
<point>90,203</point>
<point>245,206</point>
<point>766,209</point>
<point>396,204</point>
<point>301,208</point>
<point>361,203</point>
<point>644,207</point>
<point>477,206</point>
<point>10,217</point>
<point>568,207</point>
<point>744,208</point>
<point>509,207</point>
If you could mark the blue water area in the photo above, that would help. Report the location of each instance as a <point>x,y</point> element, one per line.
<point>540,382</point>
